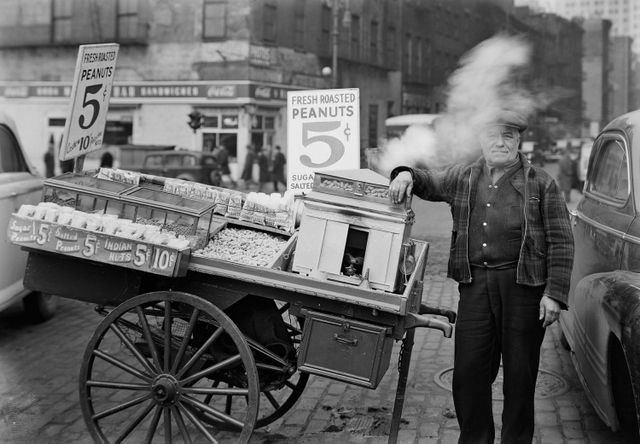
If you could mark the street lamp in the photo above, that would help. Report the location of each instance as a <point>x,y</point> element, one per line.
<point>335,33</point>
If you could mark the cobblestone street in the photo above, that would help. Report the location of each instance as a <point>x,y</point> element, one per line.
<point>39,367</point>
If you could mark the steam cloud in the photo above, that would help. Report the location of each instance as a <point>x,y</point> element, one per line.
<point>485,84</point>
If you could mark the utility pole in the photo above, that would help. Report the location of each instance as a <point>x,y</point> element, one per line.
<point>334,44</point>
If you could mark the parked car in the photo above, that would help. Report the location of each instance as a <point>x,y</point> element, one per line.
<point>186,165</point>
<point>19,184</point>
<point>602,325</point>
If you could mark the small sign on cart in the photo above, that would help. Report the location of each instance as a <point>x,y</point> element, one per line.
<point>90,94</point>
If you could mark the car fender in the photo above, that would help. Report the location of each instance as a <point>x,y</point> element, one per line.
<point>607,307</point>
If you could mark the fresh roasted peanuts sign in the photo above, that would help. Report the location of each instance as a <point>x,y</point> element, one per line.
<point>323,134</point>
<point>90,94</point>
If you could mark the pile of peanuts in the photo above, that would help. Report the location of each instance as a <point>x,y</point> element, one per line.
<point>243,246</point>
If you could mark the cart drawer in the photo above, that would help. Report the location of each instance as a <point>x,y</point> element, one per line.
<point>344,349</point>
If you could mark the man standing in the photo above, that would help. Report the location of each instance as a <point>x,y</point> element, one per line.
<point>222,156</point>
<point>263,166</point>
<point>511,253</point>
<point>247,170</point>
<point>49,161</point>
<point>567,173</point>
<point>278,169</point>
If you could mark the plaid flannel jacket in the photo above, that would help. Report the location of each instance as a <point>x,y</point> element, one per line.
<point>546,252</point>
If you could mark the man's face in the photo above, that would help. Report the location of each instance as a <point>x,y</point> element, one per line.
<point>499,144</point>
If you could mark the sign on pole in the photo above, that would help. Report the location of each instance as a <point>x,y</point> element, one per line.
<point>323,134</point>
<point>90,94</point>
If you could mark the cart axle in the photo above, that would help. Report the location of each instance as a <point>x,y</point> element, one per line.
<point>165,389</point>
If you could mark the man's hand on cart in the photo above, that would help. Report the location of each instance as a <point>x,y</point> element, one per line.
<point>401,187</point>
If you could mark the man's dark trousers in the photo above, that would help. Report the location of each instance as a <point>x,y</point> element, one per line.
<point>496,317</point>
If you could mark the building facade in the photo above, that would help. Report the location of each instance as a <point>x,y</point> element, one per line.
<point>595,68</point>
<point>235,60</point>
<point>620,78</point>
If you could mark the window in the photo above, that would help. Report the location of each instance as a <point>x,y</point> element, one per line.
<point>373,124</point>
<point>153,162</point>
<point>127,24</point>
<point>214,15</point>
<point>417,56</point>
<point>189,161</point>
<point>298,30</point>
<point>11,160</point>
<point>61,30</point>
<point>173,160</point>
<point>22,13</point>
<point>325,29</point>
<point>355,37</point>
<point>391,46</point>
<point>220,129</point>
<point>270,23</point>
<point>407,55</point>
<point>374,42</point>
<point>611,178</point>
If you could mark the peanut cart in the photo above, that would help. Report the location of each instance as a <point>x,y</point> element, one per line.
<point>218,305</point>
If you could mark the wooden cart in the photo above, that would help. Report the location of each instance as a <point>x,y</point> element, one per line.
<point>194,349</point>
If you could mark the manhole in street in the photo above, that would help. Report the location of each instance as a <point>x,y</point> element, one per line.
<point>548,384</point>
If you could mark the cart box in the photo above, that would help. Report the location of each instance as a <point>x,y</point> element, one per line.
<point>344,349</point>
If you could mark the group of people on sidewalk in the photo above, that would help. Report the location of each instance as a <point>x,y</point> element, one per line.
<point>271,164</point>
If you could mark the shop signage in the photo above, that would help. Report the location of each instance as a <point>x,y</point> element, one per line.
<point>152,91</point>
<point>90,94</point>
<point>323,134</point>
<point>95,246</point>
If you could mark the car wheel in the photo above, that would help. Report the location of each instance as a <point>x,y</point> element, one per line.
<point>40,307</point>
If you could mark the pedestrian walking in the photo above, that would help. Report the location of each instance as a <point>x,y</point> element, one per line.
<point>567,174</point>
<point>222,156</point>
<point>49,160</point>
<point>511,254</point>
<point>263,167</point>
<point>247,170</point>
<point>277,170</point>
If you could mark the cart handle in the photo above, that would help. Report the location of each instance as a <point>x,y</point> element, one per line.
<point>414,320</point>
<point>449,314</point>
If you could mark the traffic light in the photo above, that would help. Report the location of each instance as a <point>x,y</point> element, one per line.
<point>195,119</point>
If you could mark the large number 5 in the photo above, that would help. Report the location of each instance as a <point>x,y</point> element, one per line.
<point>335,145</point>
<point>91,89</point>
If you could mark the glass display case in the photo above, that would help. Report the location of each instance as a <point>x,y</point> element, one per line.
<point>182,215</point>
<point>83,192</point>
<point>145,204</point>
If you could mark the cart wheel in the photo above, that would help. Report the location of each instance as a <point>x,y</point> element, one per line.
<point>276,398</point>
<point>152,359</point>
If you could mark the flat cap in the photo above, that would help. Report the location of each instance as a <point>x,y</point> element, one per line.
<point>513,119</point>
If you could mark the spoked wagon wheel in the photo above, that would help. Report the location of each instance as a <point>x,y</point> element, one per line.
<point>281,385</point>
<point>150,362</point>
